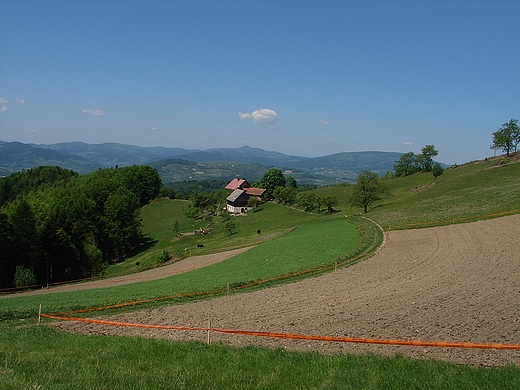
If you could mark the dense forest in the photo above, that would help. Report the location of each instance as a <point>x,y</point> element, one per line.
<point>56,225</point>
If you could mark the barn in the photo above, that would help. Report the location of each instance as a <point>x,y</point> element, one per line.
<point>236,202</point>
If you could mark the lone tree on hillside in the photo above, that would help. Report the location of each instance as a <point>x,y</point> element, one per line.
<point>437,170</point>
<point>507,137</point>
<point>329,201</point>
<point>367,190</point>
<point>230,225</point>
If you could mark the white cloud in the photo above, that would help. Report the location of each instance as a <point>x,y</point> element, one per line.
<point>8,104</point>
<point>155,128</point>
<point>324,122</point>
<point>408,143</point>
<point>94,112</point>
<point>262,116</point>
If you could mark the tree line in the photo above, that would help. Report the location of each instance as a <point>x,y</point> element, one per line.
<point>56,225</point>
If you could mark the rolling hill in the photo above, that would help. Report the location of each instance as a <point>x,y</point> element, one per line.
<point>175,164</point>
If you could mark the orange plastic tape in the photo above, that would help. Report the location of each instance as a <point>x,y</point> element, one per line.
<point>415,343</point>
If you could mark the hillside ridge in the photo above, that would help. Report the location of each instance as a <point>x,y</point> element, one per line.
<point>215,163</point>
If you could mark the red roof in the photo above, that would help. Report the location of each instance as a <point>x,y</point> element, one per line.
<point>238,184</point>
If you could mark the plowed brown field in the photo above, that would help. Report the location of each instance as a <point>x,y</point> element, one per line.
<point>450,283</point>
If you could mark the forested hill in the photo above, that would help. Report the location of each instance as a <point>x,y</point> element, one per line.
<point>177,164</point>
<point>56,225</point>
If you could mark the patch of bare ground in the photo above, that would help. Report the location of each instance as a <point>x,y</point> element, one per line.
<point>450,283</point>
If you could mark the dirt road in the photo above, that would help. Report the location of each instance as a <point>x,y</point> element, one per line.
<point>179,267</point>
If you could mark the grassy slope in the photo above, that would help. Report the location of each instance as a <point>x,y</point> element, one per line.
<point>309,246</point>
<point>158,226</point>
<point>34,356</point>
<point>461,194</point>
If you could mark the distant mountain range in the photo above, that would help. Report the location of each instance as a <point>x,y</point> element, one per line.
<point>176,164</point>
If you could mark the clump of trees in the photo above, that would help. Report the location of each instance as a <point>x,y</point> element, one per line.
<point>507,137</point>
<point>310,201</point>
<point>206,205</point>
<point>287,192</point>
<point>410,162</point>
<point>68,226</point>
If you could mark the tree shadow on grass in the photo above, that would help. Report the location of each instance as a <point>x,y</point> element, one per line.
<point>144,244</point>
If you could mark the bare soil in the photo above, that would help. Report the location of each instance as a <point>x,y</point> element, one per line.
<point>451,283</point>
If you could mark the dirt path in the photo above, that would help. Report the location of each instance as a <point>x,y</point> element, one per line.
<point>452,283</point>
<point>179,267</point>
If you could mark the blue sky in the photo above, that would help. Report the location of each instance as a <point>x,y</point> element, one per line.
<point>307,78</point>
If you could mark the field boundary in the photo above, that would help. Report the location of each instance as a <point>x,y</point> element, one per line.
<point>415,343</point>
<point>451,221</point>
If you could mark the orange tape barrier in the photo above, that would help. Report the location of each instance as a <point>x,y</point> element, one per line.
<point>414,343</point>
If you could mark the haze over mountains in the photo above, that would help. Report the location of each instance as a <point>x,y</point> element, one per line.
<point>176,164</point>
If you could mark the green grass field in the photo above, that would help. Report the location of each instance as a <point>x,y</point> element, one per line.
<point>39,357</point>
<point>34,357</point>
<point>309,246</point>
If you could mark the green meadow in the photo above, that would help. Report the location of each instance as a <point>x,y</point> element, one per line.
<point>291,245</point>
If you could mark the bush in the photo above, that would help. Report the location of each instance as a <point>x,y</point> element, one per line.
<point>164,257</point>
<point>24,277</point>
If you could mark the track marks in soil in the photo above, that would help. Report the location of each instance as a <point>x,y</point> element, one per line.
<point>451,283</point>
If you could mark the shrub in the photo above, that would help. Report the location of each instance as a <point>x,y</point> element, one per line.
<point>24,277</point>
<point>164,257</point>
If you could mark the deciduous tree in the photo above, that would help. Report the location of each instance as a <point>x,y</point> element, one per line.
<point>425,159</point>
<point>437,170</point>
<point>271,179</point>
<point>406,165</point>
<point>507,137</point>
<point>330,201</point>
<point>369,188</point>
<point>230,225</point>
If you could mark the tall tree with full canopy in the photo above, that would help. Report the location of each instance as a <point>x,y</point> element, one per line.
<point>425,159</point>
<point>507,137</point>
<point>368,188</point>
<point>272,178</point>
